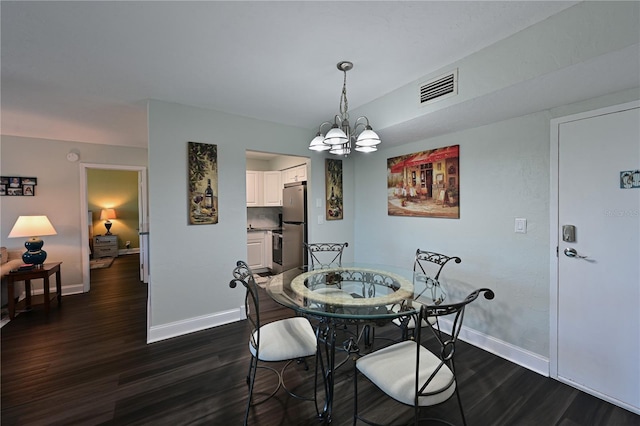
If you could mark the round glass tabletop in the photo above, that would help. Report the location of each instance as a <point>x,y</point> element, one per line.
<point>358,292</point>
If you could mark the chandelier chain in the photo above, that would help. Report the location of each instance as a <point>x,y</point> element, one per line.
<point>344,103</point>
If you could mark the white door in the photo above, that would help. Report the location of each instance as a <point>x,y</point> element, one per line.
<point>597,328</point>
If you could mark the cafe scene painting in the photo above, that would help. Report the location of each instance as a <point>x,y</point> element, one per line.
<point>425,183</point>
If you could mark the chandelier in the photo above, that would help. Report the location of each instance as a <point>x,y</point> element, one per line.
<point>341,137</point>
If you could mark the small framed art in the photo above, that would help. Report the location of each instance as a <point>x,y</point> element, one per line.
<point>18,186</point>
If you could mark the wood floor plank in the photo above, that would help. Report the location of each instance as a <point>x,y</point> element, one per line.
<point>88,364</point>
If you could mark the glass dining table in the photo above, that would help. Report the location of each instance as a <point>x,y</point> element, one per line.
<point>359,294</point>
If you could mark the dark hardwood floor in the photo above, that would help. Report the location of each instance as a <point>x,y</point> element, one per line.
<point>88,364</point>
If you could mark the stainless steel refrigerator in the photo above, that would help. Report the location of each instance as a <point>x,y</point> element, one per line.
<point>294,225</point>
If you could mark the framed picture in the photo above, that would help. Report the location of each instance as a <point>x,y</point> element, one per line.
<point>14,191</point>
<point>15,185</point>
<point>203,183</point>
<point>28,190</point>
<point>425,183</point>
<point>333,189</point>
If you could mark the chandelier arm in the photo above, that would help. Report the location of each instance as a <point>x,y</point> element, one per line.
<point>361,118</point>
<point>360,124</point>
<point>322,124</point>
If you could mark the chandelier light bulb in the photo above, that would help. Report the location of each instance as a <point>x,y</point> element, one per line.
<point>341,150</point>
<point>366,148</point>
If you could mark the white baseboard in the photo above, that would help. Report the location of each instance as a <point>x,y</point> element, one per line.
<point>515,354</point>
<point>66,290</point>
<point>72,289</point>
<point>191,325</point>
<point>128,251</point>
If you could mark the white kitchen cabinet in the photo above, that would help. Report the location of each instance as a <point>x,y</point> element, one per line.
<point>255,188</point>
<point>257,250</point>
<point>295,174</point>
<point>264,189</point>
<point>272,188</point>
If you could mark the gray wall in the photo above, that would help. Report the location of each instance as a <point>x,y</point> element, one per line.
<point>191,264</point>
<point>504,174</point>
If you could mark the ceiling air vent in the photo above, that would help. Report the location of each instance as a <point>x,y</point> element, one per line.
<point>439,88</point>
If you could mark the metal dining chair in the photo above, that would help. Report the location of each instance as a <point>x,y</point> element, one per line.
<point>325,255</point>
<point>410,373</point>
<point>427,266</point>
<point>290,339</point>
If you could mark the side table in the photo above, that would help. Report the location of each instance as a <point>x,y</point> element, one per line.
<point>105,246</point>
<point>44,273</point>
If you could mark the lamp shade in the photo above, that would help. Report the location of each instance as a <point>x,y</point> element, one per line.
<point>368,138</point>
<point>335,136</point>
<point>107,214</point>
<point>317,144</point>
<point>32,226</point>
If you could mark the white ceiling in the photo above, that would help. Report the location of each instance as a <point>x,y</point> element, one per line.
<point>81,71</point>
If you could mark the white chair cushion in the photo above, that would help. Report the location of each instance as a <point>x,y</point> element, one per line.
<point>285,339</point>
<point>393,370</point>
<point>411,324</point>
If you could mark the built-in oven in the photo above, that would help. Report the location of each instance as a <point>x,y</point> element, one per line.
<point>276,254</point>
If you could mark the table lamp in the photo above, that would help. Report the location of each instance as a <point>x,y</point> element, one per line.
<point>107,214</point>
<point>33,227</point>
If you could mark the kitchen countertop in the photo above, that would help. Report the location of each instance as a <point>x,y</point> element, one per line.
<point>261,229</point>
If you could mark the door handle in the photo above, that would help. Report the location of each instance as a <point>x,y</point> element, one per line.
<point>571,252</point>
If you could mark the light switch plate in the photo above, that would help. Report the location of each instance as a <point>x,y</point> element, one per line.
<point>521,225</point>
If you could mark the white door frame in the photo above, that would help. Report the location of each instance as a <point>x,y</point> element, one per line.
<point>142,212</point>
<point>554,226</point>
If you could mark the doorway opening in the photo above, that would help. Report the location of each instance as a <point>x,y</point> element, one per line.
<point>270,245</point>
<point>141,225</point>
